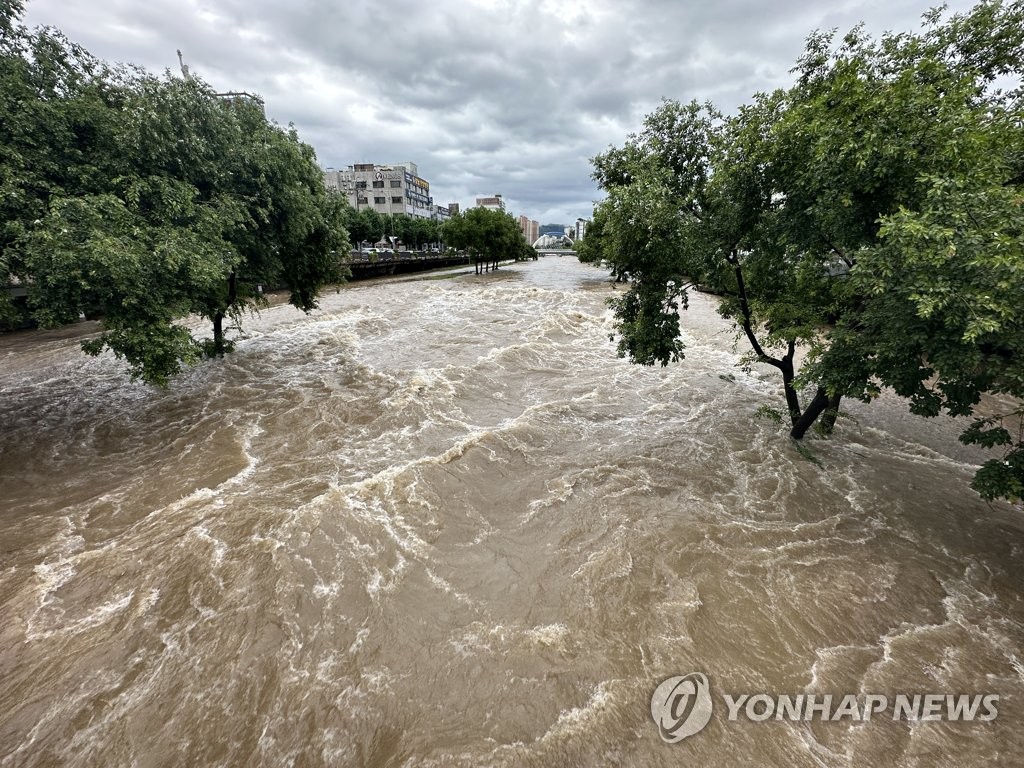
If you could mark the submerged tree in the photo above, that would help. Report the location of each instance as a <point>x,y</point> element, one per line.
<point>871,214</point>
<point>145,200</point>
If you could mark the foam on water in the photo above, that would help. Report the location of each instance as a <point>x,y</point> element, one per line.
<point>441,523</point>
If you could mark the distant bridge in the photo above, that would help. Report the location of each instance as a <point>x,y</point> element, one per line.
<point>556,251</point>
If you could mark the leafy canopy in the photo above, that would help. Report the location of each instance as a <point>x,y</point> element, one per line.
<point>488,235</point>
<point>143,200</point>
<point>870,213</point>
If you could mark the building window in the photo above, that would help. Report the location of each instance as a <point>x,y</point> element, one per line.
<point>396,183</point>
<point>360,185</point>
<point>378,185</point>
<point>396,199</point>
<point>379,200</point>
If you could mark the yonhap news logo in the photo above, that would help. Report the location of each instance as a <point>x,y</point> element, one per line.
<point>681,706</point>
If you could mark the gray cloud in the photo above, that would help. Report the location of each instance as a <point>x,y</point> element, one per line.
<point>508,96</point>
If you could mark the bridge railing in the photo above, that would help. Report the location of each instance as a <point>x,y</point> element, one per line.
<point>392,257</point>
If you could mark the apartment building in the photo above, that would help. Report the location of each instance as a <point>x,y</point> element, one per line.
<point>529,228</point>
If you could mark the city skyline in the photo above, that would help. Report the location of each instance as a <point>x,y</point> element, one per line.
<point>485,95</point>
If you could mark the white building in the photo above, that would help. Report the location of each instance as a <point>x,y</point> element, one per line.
<point>387,189</point>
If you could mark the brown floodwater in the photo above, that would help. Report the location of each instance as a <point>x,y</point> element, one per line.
<point>439,523</point>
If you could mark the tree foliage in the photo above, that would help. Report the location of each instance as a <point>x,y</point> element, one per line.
<point>364,225</point>
<point>144,199</point>
<point>870,213</point>
<point>415,231</point>
<point>488,235</point>
<point>368,226</point>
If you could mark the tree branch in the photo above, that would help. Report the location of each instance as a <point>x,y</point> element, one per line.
<point>848,261</point>
<point>763,356</point>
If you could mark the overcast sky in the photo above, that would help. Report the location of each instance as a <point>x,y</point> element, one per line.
<point>486,96</point>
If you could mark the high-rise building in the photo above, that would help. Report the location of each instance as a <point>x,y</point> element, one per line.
<point>387,189</point>
<point>581,229</point>
<point>529,228</point>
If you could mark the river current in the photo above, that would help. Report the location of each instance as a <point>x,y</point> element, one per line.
<point>439,523</point>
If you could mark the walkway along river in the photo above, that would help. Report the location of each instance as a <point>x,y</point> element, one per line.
<point>439,523</point>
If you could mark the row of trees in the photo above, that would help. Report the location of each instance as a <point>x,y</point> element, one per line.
<point>489,236</point>
<point>367,225</point>
<point>870,214</point>
<point>147,199</point>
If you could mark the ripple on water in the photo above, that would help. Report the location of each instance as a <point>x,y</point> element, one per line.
<point>441,523</point>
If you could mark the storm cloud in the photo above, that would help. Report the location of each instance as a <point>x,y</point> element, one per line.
<point>486,96</point>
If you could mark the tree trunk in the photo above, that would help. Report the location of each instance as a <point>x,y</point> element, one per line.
<point>814,409</point>
<point>801,421</point>
<point>785,366</point>
<point>828,419</point>
<point>218,319</point>
<point>218,333</point>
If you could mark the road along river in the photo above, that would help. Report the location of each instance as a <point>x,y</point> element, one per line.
<point>439,523</point>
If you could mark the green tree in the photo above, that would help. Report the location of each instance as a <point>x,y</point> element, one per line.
<point>57,134</point>
<point>924,207</point>
<point>372,225</point>
<point>146,199</point>
<point>421,232</point>
<point>590,249</point>
<point>400,226</point>
<point>489,236</point>
<point>365,225</point>
<point>869,213</point>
